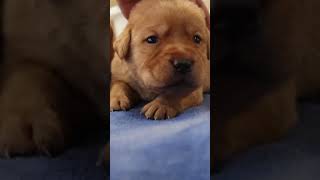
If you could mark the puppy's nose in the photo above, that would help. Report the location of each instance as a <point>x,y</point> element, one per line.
<point>182,65</point>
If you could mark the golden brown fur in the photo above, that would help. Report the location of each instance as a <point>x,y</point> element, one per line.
<point>145,71</point>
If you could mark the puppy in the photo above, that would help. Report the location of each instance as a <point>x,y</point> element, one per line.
<point>258,84</point>
<point>53,78</point>
<point>161,56</point>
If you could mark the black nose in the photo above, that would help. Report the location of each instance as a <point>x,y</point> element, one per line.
<point>182,65</point>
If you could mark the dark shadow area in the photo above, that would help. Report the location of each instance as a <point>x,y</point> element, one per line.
<point>237,42</point>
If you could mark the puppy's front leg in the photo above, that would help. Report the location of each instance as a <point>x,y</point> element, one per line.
<point>122,96</point>
<point>170,104</point>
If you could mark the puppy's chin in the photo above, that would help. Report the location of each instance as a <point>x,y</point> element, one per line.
<point>155,81</point>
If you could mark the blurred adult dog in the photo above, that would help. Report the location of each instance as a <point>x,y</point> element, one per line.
<point>53,73</point>
<point>264,73</point>
<point>161,56</point>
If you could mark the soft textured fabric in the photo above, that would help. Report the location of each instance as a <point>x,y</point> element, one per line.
<point>77,163</point>
<point>296,157</point>
<point>176,149</point>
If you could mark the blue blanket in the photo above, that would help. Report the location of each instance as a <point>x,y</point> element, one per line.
<point>296,157</point>
<point>177,149</point>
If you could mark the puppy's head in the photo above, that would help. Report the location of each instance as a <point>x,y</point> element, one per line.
<point>166,43</point>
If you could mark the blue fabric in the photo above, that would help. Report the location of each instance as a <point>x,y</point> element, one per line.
<point>296,157</point>
<point>176,149</point>
<point>78,163</point>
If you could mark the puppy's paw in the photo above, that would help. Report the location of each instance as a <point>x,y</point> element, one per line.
<point>23,133</point>
<point>118,103</point>
<point>158,110</point>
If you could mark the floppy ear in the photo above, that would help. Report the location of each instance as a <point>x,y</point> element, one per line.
<point>208,45</point>
<point>122,44</point>
<point>111,42</point>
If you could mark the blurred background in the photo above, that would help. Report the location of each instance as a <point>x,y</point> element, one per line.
<point>113,2</point>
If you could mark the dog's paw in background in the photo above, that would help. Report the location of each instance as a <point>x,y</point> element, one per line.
<point>23,132</point>
<point>29,120</point>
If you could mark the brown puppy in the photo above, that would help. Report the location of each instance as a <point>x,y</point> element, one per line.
<point>53,73</point>
<point>256,101</point>
<point>162,57</point>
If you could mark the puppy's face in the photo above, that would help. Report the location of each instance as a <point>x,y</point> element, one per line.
<point>166,43</point>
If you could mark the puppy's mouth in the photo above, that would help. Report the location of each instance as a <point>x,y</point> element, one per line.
<point>169,75</point>
<point>180,83</point>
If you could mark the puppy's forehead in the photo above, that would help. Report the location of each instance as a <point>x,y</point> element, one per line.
<point>171,12</point>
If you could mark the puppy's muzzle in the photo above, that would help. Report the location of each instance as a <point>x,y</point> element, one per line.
<point>182,65</point>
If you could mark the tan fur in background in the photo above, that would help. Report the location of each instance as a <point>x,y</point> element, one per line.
<point>53,78</point>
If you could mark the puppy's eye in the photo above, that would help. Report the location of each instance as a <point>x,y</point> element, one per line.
<point>197,39</point>
<point>152,39</point>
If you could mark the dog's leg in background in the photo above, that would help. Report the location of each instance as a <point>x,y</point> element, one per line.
<point>28,111</point>
<point>39,111</point>
<point>255,113</point>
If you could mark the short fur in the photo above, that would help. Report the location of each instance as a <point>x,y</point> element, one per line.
<point>142,71</point>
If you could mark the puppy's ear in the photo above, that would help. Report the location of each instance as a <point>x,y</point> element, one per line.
<point>208,45</point>
<point>111,42</point>
<point>122,44</point>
